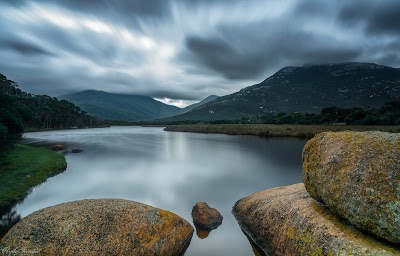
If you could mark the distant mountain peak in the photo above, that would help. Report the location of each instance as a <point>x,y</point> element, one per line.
<point>126,107</point>
<point>347,65</point>
<point>200,104</point>
<point>307,88</point>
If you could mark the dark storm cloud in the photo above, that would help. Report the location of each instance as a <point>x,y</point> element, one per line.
<point>222,57</point>
<point>92,46</point>
<point>242,52</point>
<point>24,47</point>
<point>185,49</point>
<point>130,8</point>
<point>379,17</point>
<point>129,13</point>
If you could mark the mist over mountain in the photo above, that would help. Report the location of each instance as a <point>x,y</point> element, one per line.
<point>201,103</point>
<point>309,88</point>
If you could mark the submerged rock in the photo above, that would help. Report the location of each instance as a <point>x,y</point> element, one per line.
<point>100,227</point>
<point>76,150</point>
<point>357,175</point>
<point>287,221</point>
<point>58,147</point>
<point>206,217</point>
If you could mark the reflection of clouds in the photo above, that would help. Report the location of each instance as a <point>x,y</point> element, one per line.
<point>172,171</point>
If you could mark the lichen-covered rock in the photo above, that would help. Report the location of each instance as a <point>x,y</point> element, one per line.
<point>99,227</point>
<point>206,217</point>
<point>357,175</point>
<point>287,221</point>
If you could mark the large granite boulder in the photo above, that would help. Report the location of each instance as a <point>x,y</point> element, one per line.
<point>287,221</point>
<point>357,175</point>
<point>99,227</point>
<point>205,217</point>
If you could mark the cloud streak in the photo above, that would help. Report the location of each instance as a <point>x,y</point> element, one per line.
<point>183,51</point>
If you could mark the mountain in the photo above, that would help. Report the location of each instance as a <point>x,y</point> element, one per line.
<point>201,103</point>
<point>121,106</point>
<point>309,88</point>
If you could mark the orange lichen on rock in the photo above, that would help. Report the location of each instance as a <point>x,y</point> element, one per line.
<point>286,221</point>
<point>357,175</point>
<point>100,227</point>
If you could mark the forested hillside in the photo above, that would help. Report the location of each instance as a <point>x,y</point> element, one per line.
<point>20,110</point>
<point>126,107</point>
<point>306,89</point>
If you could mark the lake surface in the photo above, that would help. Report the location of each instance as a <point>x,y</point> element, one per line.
<point>169,170</point>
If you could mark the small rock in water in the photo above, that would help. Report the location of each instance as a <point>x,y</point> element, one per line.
<point>58,147</point>
<point>76,150</point>
<point>206,217</point>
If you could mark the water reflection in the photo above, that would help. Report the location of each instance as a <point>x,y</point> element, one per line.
<point>169,170</point>
<point>8,218</point>
<point>202,233</point>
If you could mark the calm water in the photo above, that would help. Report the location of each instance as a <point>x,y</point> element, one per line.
<point>169,170</point>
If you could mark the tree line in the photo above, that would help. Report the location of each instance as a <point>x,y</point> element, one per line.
<point>388,114</point>
<point>20,111</point>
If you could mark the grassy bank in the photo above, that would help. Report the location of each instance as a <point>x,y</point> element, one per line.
<point>269,130</point>
<point>23,167</point>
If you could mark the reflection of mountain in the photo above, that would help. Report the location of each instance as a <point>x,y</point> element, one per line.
<point>8,220</point>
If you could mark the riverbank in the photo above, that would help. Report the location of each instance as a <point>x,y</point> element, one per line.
<point>57,129</point>
<point>271,130</point>
<point>23,167</point>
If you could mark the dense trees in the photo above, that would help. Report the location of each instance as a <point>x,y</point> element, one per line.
<point>20,110</point>
<point>389,114</point>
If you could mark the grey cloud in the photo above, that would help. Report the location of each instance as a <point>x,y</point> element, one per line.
<point>130,8</point>
<point>13,2</point>
<point>24,47</point>
<point>248,51</point>
<point>379,17</point>
<point>93,46</point>
<point>312,8</point>
<point>176,95</point>
<point>129,12</point>
<point>222,57</point>
<point>215,51</point>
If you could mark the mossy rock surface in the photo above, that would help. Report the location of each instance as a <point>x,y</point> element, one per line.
<point>287,221</point>
<point>357,175</point>
<point>99,227</point>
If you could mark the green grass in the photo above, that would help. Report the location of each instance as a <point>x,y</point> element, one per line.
<point>23,167</point>
<point>270,130</point>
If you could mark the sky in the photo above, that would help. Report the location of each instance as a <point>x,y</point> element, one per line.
<point>181,51</point>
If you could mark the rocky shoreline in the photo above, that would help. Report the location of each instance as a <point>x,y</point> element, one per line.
<point>349,203</point>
